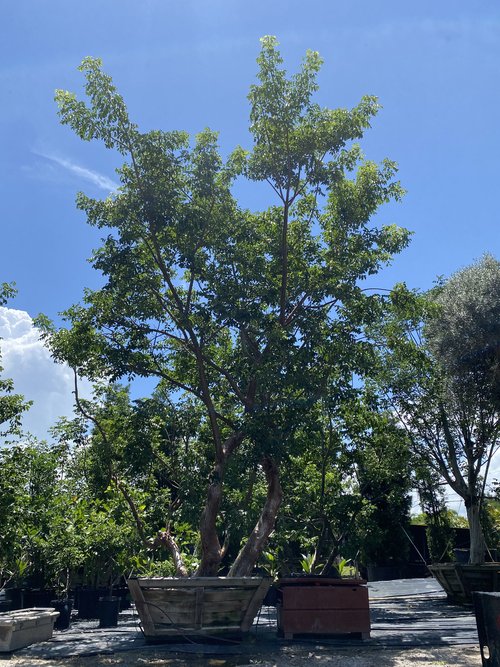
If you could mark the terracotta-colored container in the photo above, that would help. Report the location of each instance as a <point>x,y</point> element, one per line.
<point>323,606</point>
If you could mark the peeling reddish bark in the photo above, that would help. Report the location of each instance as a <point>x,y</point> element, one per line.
<point>211,551</point>
<point>165,538</point>
<point>250,552</point>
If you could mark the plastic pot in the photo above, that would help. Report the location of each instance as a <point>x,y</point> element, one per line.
<point>64,608</point>
<point>108,608</point>
<point>88,599</point>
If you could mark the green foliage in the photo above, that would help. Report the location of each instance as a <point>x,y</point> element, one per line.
<point>321,500</point>
<point>346,491</point>
<point>454,519</point>
<point>270,563</point>
<point>490,518</point>
<point>28,500</point>
<point>308,563</point>
<point>54,532</point>
<point>11,405</point>
<point>344,567</point>
<point>383,473</point>
<point>465,333</point>
<point>246,313</point>
<point>438,373</point>
<point>439,520</point>
<point>107,539</point>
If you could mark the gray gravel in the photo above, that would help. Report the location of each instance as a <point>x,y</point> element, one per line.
<point>458,656</point>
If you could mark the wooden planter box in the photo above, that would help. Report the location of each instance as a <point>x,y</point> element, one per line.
<point>202,605</point>
<point>459,581</point>
<point>323,606</point>
<point>23,627</point>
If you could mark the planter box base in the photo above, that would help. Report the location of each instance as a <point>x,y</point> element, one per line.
<point>323,606</point>
<point>23,627</point>
<point>460,581</point>
<point>207,606</point>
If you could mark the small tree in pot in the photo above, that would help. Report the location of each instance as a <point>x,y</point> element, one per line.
<point>442,381</point>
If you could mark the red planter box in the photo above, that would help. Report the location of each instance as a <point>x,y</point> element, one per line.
<point>323,606</point>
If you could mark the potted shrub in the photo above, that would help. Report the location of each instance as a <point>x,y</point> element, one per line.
<point>15,583</point>
<point>318,603</point>
<point>109,604</point>
<point>245,313</point>
<point>65,558</point>
<point>27,490</point>
<point>440,376</point>
<point>107,540</point>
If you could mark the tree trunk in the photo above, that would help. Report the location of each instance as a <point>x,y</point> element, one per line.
<point>211,551</point>
<point>164,537</point>
<point>250,552</point>
<point>477,544</point>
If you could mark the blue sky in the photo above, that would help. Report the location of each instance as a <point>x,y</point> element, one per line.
<point>435,67</point>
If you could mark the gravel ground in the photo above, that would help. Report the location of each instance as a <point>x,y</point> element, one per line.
<point>456,656</point>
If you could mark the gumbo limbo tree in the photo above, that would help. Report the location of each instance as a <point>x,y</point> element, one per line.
<point>247,312</point>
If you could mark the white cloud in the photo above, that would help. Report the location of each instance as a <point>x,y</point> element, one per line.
<point>90,175</point>
<point>28,362</point>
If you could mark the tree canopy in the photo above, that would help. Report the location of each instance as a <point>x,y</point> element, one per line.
<point>251,313</point>
<point>465,333</point>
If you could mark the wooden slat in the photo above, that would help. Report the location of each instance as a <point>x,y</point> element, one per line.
<point>255,604</point>
<point>142,607</point>
<point>219,595</point>
<point>222,606</point>
<point>455,578</point>
<point>174,619</point>
<point>187,621</point>
<point>174,632</point>
<point>329,597</point>
<point>204,582</point>
<point>183,596</point>
<point>213,617</point>
<point>325,621</point>
<point>176,597</point>
<point>198,608</point>
<point>320,581</point>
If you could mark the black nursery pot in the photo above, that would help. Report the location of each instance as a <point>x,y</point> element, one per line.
<point>64,608</point>
<point>4,602</point>
<point>88,599</point>
<point>123,593</point>
<point>109,608</point>
<point>38,597</point>
<point>15,597</point>
<point>272,597</point>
